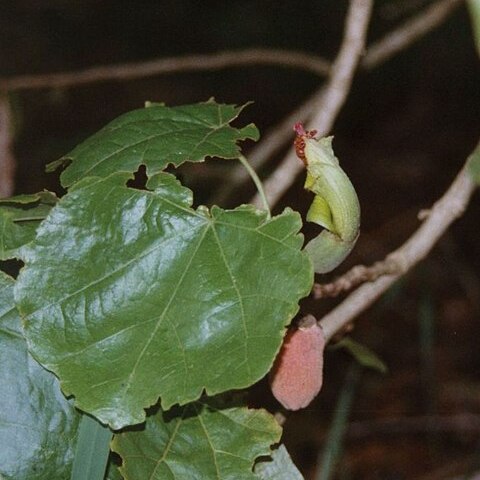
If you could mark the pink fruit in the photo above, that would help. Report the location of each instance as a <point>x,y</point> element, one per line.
<point>297,374</point>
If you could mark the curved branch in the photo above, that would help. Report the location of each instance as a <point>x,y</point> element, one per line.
<point>450,207</point>
<point>388,46</point>
<point>409,32</point>
<point>188,63</point>
<point>354,277</point>
<point>333,98</point>
<point>379,52</point>
<point>277,137</point>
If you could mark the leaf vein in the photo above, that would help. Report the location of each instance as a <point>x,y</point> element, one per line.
<point>162,316</point>
<point>239,297</point>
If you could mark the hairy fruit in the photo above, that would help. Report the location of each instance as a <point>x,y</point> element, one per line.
<point>297,374</point>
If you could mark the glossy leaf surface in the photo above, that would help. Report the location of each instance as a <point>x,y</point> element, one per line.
<point>37,424</point>
<point>129,295</point>
<point>197,442</point>
<point>156,136</point>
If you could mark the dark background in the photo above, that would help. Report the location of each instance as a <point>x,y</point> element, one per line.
<point>404,132</point>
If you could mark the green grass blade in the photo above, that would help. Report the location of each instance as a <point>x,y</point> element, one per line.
<point>334,444</point>
<point>93,448</point>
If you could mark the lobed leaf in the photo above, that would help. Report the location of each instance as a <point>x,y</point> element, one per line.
<point>198,441</point>
<point>38,425</point>
<point>129,295</point>
<point>155,137</point>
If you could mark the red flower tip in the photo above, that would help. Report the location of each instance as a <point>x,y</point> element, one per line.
<point>299,130</point>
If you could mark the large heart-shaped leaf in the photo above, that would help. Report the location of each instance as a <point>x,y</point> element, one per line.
<point>198,442</point>
<point>19,219</point>
<point>156,136</point>
<point>129,295</point>
<point>38,425</point>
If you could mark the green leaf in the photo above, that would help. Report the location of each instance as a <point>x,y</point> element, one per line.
<point>474,9</point>
<point>113,473</point>
<point>19,219</point>
<point>362,354</point>
<point>154,137</point>
<point>37,424</point>
<point>474,165</point>
<point>280,467</point>
<point>198,441</point>
<point>129,295</point>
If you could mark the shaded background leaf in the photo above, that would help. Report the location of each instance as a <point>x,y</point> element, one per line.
<point>362,354</point>
<point>198,441</point>
<point>38,425</point>
<point>141,296</point>
<point>19,219</point>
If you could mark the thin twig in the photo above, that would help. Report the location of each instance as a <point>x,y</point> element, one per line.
<point>354,277</point>
<point>7,160</point>
<point>188,63</point>
<point>334,97</point>
<point>443,213</point>
<point>409,32</point>
<point>281,133</point>
<point>385,48</point>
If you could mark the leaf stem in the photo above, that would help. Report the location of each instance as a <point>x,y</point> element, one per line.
<point>257,183</point>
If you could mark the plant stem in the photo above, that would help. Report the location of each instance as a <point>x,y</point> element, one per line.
<point>257,183</point>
